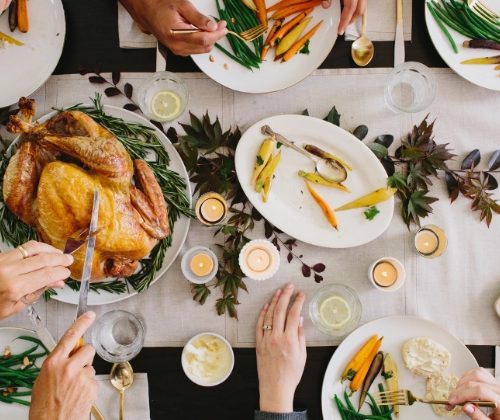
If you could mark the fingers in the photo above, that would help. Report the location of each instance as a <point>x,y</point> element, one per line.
<point>72,336</point>
<point>42,260</point>
<point>268,318</point>
<point>259,330</point>
<point>474,412</point>
<point>89,371</point>
<point>346,16</point>
<point>198,43</point>
<point>193,16</point>
<point>474,391</point>
<point>293,319</point>
<point>84,356</point>
<point>477,375</point>
<point>280,312</point>
<point>31,282</point>
<point>32,248</point>
<point>360,10</point>
<point>301,333</point>
<point>325,4</point>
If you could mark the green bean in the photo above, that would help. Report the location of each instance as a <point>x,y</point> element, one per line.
<point>10,400</point>
<point>443,28</point>
<point>232,56</point>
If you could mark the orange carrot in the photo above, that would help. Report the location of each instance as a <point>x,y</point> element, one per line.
<point>287,11</point>
<point>295,48</point>
<point>282,4</point>
<point>287,27</point>
<point>327,210</point>
<point>274,29</point>
<point>264,51</point>
<point>358,359</point>
<point>363,370</point>
<point>22,16</point>
<point>261,11</point>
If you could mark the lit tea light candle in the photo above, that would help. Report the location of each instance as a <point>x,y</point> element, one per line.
<point>497,306</point>
<point>259,259</point>
<point>387,274</point>
<point>211,209</point>
<point>430,241</point>
<point>199,265</point>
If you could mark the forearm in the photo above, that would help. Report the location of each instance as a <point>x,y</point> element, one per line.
<point>296,415</point>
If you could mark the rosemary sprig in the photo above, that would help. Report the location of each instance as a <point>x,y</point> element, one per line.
<point>114,286</point>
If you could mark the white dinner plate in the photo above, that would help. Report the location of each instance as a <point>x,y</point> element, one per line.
<point>24,69</point>
<point>271,76</point>
<point>181,227</point>
<point>479,74</point>
<point>290,207</point>
<point>8,337</point>
<point>395,330</point>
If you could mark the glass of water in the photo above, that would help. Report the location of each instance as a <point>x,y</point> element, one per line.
<point>163,96</point>
<point>118,336</point>
<point>411,87</point>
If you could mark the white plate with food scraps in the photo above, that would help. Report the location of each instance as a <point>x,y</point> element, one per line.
<point>8,337</point>
<point>482,75</point>
<point>271,76</point>
<point>180,229</point>
<point>23,69</point>
<point>290,207</point>
<point>395,330</point>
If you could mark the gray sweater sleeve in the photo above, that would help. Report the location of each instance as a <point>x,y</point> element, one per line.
<point>296,415</point>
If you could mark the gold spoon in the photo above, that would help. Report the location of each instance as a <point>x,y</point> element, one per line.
<point>122,376</point>
<point>362,50</point>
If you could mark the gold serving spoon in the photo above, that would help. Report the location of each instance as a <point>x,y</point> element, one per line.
<point>122,376</point>
<point>362,50</point>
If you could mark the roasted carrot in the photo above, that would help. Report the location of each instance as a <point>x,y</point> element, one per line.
<point>287,27</point>
<point>261,11</point>
<point>363,370</point>
<point>294,49</point>
<point>287,11</point>
<point>277,24</point>
<point>22,16</point>
<point>327,210</point>
<point>289,39</point>
<point>358,359</point>
<point>282,4</point>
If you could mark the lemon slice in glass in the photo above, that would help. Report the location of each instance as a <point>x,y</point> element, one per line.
<point>335,312</point>
<point>166,105</point>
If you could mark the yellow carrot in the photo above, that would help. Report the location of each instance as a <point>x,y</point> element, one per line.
<point>294,49</point>
<point>363,370</point>
<point>286,43</point>
<point>327,210</point>
<point>9,39</point>
<point>287,27</point>
<point>358,359</point>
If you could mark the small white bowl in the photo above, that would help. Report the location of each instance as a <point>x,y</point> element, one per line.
<point>399,268</point>
<point>197,380</point>
<point>186,270</point>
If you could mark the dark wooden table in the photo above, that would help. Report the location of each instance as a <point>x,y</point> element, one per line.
<point>92,43</point>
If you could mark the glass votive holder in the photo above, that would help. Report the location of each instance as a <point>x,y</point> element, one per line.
<point>430,241</point>
<point>335,310</point>
<point>199,265</point>
<point>163,96</point>
<point>118,336</point>
<point>211,209</point>
<point>387,274</point>
<point>411,87</point>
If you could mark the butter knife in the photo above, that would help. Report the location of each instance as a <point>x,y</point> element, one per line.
<point>399,43</point>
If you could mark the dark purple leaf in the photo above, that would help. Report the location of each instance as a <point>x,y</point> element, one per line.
<point>275,243</point>
<point>494,162</point>
<point>472,159</point>
<point>306,270</point>
<point>388,165</point>
<point>172,135</point>
<point>360,132</point>
<point>452,186</point>
<point>97,79</point>
<point>319,268</point>
<point>318,278</point>
<point>289,257</point>
<point>268,229</point>
<point>115,77</point>
<point>385,140</point>
<point>158,125</point>
<point>256,215</point>
<point>131,107</point>
<point>398,152</point>
<point>111,91</point>
<point>128,89</point>
<point>490,181</point>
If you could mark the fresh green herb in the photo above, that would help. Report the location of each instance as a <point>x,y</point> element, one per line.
<point>260,161</point>
<point>278,145</point>
<point>371,212</point>
<point>387,375</point>
<point>305,48</point>
<point>351,374</point>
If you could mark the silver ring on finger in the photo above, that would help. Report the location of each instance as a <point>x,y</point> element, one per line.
<point>23,252</point>
<point>267,327</point>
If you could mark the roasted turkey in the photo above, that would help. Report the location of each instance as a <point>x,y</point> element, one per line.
<point>49,184</point>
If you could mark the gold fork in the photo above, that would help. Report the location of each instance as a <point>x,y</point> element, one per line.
<point>248,35</point>
<point>406,397</point>
<point>482,10</point>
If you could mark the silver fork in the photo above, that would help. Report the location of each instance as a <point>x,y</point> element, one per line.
<point>482,10</point>
<point>406,397</point>
<point>248,35</point>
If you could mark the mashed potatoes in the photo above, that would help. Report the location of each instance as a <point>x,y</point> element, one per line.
<point>425,357</point>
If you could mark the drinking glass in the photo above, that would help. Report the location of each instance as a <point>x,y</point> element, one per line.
<point>163,89</point>
<point>411,87</point>
<point>118,336</point>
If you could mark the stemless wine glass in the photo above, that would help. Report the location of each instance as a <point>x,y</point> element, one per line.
<point>411,87</point>
<point>118,336</point>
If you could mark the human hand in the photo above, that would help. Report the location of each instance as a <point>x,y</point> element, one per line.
<point>160,16</point>
<point>351,10</point>
<point>66,387</point>
<point>4,4</point>
<point>45,266</point>
<point>281,351</point>
<point>477,384</point>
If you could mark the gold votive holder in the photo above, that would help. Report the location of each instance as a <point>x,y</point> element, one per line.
<point>211,209</point>
<point>430,241</point>
<point>387,274</point>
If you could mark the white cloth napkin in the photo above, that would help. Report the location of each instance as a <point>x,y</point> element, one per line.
<point>381,21</point>
<point>136,406</point>
<point>129,33</point>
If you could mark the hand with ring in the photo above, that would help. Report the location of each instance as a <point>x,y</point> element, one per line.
<point>281,350</point>
<point>28,270</point>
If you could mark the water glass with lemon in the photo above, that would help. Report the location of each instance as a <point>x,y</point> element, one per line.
<point>163,97</point>
<point>335,310</point>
